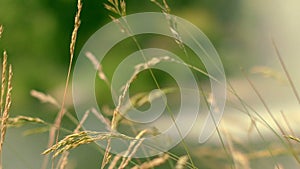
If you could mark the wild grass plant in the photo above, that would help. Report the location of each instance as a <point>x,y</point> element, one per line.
<point>232,153</point>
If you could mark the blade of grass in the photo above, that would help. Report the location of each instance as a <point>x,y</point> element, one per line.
<point>272,116</point>
<point>286,71</point>
<point>255,126</point>
<point>230,158</point>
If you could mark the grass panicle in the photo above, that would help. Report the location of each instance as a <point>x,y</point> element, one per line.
<point>72,49</point>
<point>84,137</point>
<point>6,89</point>
<point>116,6</point>
<point>235,157</point>
<point>63,161</point>
<point>23,120</point>
<point>54,131</point>
<point>3,80</point>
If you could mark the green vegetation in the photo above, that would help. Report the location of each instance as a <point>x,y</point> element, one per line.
<point>43,39</point>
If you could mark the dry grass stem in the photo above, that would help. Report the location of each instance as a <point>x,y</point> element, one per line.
<point>114,162</point>
<point>153,163</point>
<point>239,159</point>
<point>44,98</point>
<point>293,138</point>
<point>132,148</point>
<point>85,116</point>
<point>63,161</point>
<point>3,80</point>
<point>62,111</point>
<point>107,155</point>
<point>5,106</point>
<point>100,71</point>
<point>287,123</point>
<point>126,157</point>
<point>286,72</point>
<point>72,48</point>
<point>100,117</point>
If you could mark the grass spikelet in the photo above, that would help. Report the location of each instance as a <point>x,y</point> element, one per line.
<point>3,80</point>
<point>63,161</point>
<point>153,163</point>
<point>98,67</point>
<point>268,72</point>
<point>44,98</point>
<point>22,120</point>
<point>5,106</point>
<point>181,162</point>
<point>293,138</point>
<point>84,137</point>
<point>116,6</point>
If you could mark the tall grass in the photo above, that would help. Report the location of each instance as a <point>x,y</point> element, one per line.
<point>232,154</point>
<point>5,98</point>
<point>235,157</point>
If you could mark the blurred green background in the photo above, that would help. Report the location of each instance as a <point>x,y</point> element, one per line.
<point>37,37</point>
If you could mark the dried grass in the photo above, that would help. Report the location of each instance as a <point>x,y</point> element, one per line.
<point>63,161</point>
<point>116,6</point>
<point>44,98</point>
<point>84,137</point>
<point>153,163</point>
<point>72,48</point>
<point>3,80</point>
<point>55,130</point>
<point>132,148</point>
<point>22,120</point>
<point>6,89</point>
<point>181,162</point>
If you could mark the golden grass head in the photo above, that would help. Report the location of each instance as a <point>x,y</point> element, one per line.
<point>85,137</point>
<point>116,6</point>
<point>22,120</point>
